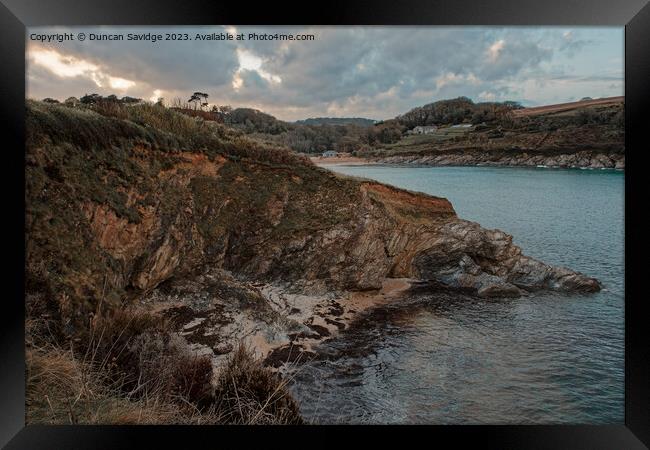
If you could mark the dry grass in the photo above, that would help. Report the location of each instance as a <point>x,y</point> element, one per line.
<point>129,369</point>
<point>105,124</point>
<point>249,393</point>
<point>63,390</point>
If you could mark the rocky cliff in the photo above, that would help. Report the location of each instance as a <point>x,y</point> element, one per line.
<point>134,205</point>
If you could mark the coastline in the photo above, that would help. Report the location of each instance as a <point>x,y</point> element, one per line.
<point>341,161</point>
<point>563,161</point>
<point>325,316</point>
<point>287,330</point>
<point>223,252</point>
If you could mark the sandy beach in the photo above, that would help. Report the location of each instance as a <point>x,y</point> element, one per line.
<point>340,160</point>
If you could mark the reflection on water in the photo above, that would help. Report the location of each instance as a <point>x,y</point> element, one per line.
<point>440,358</point>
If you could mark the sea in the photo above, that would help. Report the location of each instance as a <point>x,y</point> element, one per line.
<point>547,358</point>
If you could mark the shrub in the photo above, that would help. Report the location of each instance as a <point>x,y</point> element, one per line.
<point>60,389</point>
<point>249,393</point>
<point>136,350</point>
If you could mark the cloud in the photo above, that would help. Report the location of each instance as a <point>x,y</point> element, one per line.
<point>64,66</point>
<point>250,62</point>
<point>61,65</point>
<point>494,50</point>
<point>487,96</point>
<point>571,44</point>
<point>377,72</point>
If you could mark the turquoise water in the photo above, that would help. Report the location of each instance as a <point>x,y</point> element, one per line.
<point>547,358</point>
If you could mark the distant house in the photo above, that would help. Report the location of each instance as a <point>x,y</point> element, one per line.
<point>462,125</point>
<point>330,154</point>
<point>423,129</point>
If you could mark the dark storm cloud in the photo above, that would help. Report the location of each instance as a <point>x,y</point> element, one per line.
<point>372,71</point>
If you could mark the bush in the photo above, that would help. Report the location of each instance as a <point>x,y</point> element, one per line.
<point>249,393</point>
<point>137,351</point>
<point>60,389</point>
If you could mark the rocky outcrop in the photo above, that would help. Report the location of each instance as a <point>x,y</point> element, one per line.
<point>466,256</point>
<point>581,159</point>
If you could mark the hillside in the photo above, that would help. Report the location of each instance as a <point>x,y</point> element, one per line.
<point>586,134</point>
<point>223,238</point>
<point>580,134</point>
<point>570,106</point>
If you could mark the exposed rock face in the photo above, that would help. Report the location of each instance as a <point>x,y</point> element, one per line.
<point>387,232</point>
<point>580,159</point>
<point>467,256</point>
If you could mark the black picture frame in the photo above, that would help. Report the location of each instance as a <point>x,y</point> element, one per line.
<point>15,15</point>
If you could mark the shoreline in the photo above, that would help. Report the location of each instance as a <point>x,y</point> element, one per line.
<point>327,317</point>
<point>354,161</point>
<point>291,328</point>
<point>340,161</point>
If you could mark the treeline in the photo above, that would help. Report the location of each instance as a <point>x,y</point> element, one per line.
<point>253,121</point>
<point>341,138</point>
<point>92,99</point>
<point>299,137</point>
<point>457,111</point>
<point>316,135</point>
<point>354,135</point>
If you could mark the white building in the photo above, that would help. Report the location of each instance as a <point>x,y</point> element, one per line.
<point>330,154</point>
<point>423,129</point>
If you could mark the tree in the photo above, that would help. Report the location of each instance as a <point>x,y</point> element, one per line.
<point>90,99</point>
<point>50,100</point>
<point>200,98</point>
<point>128,99</point>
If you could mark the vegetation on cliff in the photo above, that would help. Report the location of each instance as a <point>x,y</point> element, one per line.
<point>590,134</point>
<point>91,356</point>
<point>501,133</point>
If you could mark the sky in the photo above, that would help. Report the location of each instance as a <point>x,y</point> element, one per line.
<point>373,72</point>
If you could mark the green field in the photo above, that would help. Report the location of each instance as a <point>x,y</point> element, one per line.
<point>417,142</point>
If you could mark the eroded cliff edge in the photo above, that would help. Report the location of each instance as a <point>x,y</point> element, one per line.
<point>148,205</point>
